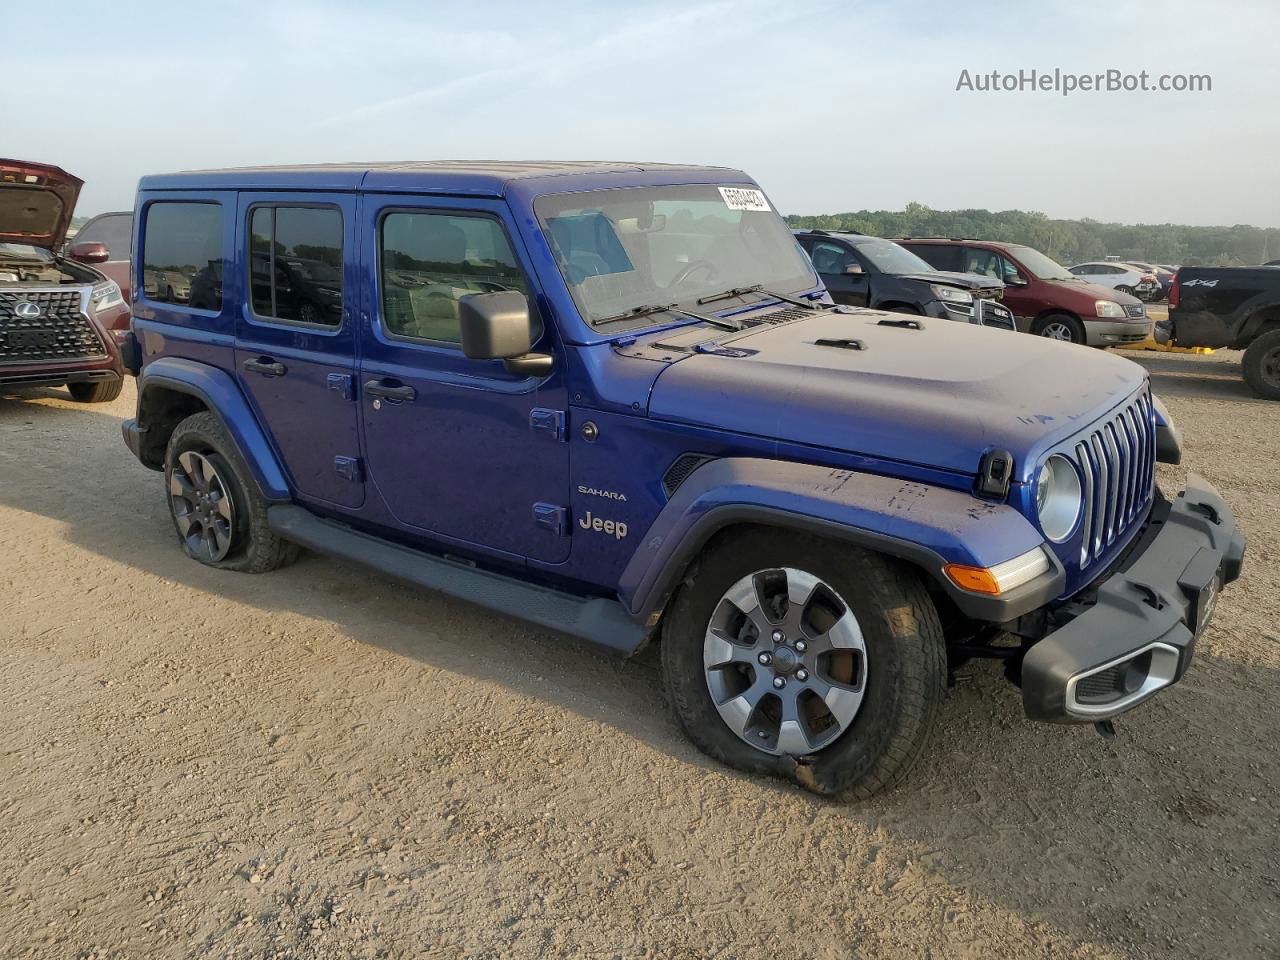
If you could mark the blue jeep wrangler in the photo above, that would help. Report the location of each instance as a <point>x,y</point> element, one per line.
<point>616,401</point>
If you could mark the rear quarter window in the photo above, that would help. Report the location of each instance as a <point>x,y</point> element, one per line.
<point>940,256</point>
<point>182,254</point>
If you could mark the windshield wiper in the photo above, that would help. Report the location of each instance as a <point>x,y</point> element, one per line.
<point>651,308</point>
<point>757,288</point>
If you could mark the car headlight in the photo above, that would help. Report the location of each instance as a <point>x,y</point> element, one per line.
<point>951,294</point>
<point>1108,308</point>
<point>1057,497</point>
<point>106,295</point>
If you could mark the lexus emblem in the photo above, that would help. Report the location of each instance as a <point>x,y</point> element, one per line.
<point>26,310</point>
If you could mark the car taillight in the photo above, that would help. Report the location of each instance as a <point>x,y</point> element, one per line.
<point>1173,291</point>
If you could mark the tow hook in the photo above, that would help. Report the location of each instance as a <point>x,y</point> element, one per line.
<point>1106,729</point>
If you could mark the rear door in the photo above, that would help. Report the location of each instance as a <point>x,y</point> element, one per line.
<point>295,338</point>
<point>459,449</point>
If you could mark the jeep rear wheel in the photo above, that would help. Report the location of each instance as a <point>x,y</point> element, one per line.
<point>1261,365</point>
<point>795,656</point>
<point>217,509</point>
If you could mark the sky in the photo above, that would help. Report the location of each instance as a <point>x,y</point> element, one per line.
<point>832,105</point>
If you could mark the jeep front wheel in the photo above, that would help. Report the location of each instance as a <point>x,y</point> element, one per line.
<point>217,509</point>
<point>799,657</point>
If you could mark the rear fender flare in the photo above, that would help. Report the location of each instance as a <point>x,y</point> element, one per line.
<point>220,393</point>
<point>924,525</point>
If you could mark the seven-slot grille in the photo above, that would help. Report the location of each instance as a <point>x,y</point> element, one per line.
<point>1117,464</point>
<point>58,332</point>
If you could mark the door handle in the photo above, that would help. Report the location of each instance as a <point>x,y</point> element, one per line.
<point>265,366</point>
<point>400,393</point>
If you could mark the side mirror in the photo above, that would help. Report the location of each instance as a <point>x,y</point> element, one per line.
<point>89,251</point>
<point>853,270</point>
<point>1015,281</point>
<point>497,326</point>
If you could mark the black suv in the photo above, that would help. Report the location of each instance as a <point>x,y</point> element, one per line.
<point>872,272</point>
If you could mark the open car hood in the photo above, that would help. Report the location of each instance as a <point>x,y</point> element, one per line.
<point>36,203</point>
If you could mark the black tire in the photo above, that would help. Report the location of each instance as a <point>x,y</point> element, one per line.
<point>1052,323</point>
<point>904,308</point>
<point>1125,288</point>
<point>906,659</point>
<point>1261,365</point>
<point>96,391</point>
<point>254,548</point>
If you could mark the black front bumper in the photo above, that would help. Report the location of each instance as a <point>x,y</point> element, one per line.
<point>1134,633</point>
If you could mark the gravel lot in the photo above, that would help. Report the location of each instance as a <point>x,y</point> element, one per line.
<point>321,763</point>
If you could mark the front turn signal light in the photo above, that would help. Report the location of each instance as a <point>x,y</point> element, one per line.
<point>1001,578</point>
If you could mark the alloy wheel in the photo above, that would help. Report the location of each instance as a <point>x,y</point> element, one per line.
<point>785,661</point>
<point>1056,331</point>
<point>201,506</point>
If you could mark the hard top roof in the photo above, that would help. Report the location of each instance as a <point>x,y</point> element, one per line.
<point>485,178</point>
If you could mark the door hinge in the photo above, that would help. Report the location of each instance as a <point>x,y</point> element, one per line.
<point>548,421</point>
<point>348,467</point>
<point>342,383</point>
<point>548,516</point>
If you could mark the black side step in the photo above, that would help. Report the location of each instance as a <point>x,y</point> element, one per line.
<point>597,619</point>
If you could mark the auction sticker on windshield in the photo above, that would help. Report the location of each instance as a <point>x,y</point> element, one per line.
<point>740,198</point>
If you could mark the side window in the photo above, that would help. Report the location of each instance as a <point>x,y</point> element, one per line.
<point>940,256</point>
<point>1009,272</point>
<point>982,262</point>
<point>830,258</point>
<point>1084,270</point>
<point>295,264</point>
<point>114,230</point>
<point>429,261</point>
<point>182,254</point>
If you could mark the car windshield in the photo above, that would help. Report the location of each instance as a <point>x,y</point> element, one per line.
<point>630,247</point>
<point>1040,265</point>
<point>888,257</point>
<point>20,251</point>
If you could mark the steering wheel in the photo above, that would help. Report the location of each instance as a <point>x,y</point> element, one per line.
<point>688,270</point>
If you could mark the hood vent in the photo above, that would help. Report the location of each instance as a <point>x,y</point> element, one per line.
<point>844,343</point>
<point>904,324</point>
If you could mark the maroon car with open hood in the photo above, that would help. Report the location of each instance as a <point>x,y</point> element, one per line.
<point>61,320</point>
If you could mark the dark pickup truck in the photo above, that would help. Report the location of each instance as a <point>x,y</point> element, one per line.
<point>1236,307</point>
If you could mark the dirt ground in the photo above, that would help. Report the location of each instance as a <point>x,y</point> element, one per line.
<point>321,763</point>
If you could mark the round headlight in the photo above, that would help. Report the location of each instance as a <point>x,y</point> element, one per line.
<point>1058,497</point>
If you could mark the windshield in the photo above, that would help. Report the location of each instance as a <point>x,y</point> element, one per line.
<point>624,248</point>
<point>20,251</point>
<point>1040,265</point>
<point>888,257</point>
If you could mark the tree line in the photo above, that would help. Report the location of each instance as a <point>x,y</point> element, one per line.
<point>1067,241</point>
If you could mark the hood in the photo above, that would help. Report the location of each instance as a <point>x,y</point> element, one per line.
<point>1094,291</point>
<point>939,396</point>
<point>965,281</point>
<point>36,203</point>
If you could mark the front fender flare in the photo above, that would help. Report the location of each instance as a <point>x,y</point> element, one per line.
<point>219,391</point>
<point>924,525</point>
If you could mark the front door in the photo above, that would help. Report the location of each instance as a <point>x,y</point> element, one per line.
<point>295,336</point>
<point>460,449</point>
<point>833,262</point>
